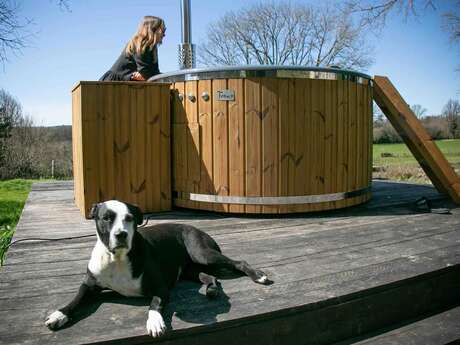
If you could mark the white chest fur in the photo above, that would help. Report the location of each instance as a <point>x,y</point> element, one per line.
<point>114,272</point>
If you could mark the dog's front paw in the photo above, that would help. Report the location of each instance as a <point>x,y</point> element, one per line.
<point>56,320</point>
<point>262,278</point>
<point>155,324</point>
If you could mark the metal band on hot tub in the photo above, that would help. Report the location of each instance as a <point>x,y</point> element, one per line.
<point>275,200</point>
<point>235,72</point>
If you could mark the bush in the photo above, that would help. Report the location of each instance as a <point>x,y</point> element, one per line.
<point>436,126</point>
<point>386,134</point>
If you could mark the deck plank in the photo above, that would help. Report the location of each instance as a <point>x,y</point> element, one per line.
<point>315,260</point>
<point>442,328</point>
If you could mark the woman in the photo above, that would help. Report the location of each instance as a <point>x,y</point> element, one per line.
<point>139,60</point>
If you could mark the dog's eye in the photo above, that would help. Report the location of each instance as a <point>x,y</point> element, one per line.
<point>107,218</point>
<point>129,218</point>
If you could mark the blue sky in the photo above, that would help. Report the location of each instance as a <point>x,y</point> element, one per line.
<point>84,43</point>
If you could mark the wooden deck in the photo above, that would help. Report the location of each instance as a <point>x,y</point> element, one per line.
<point>337,275</point>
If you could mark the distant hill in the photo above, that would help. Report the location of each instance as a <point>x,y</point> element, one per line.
<point>56,133</point>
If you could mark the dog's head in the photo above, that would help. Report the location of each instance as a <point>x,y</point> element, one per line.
<point>116,223</point>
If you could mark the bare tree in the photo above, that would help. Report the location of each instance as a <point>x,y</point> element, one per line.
<point>378,116</point>
<point>451,112</point>
<point>15,32</point>
<point>10,116</point>
<point>10,113</point>
<point>286,34</point>
<point>13,29</point>
<point>418,110</point>
<point>373,13</point>
<point>451,23</point>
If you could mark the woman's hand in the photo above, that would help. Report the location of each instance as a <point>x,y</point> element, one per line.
<point>137,76</point>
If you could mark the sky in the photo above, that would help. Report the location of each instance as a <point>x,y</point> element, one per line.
<point>83,43</point>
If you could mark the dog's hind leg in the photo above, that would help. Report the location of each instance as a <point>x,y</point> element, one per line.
<point>204,250</point>
<point>214,258</point>
<point>194,272</point>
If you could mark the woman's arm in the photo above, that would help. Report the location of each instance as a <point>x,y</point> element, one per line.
<point>147,65</point>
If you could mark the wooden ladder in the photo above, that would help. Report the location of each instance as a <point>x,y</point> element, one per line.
<point>416,138</point>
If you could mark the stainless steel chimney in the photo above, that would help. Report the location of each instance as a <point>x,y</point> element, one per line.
<point>186,48</point>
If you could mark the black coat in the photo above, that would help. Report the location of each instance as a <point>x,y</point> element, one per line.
<point>145,63</point>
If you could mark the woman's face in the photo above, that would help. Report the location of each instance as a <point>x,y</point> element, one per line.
<point>160,34</point>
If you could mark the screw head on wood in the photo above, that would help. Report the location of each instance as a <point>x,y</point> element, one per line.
<point>191,97</point>
<point>205,96</point>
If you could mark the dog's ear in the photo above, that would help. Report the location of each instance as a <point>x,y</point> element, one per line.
<point>93,211</point>
<point>137,213</point>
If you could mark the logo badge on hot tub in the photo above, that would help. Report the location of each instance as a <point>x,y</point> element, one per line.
<point>225,95</point>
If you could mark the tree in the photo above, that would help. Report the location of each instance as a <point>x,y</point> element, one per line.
<point>14,30</point>
<point>373,13</point>
<point>378,116</point>
<point>451,112</point>
<point>10,116</point>
<point>418,110</point>
<point>13,34</point>
<point>286,34</point>
<point>10,113</point>
<point>451,23</point>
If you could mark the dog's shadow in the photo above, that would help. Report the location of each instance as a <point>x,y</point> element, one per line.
<point>188,303</point>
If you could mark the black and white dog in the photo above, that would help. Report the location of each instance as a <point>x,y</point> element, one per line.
<point>147,261</point>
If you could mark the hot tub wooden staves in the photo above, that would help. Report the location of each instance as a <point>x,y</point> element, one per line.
<point>267,140</point>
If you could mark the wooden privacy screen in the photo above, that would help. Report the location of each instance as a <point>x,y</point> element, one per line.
<point>278,137</point>
<point>121,144</point>
<point>416,138</point>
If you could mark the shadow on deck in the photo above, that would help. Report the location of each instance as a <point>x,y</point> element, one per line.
<point>340,276</point>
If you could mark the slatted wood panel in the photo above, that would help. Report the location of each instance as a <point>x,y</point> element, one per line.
<point>236,147</point>
<point>205,120</point>
<point>121,140</point>
<point>179,137</point>
<point>77,150</point>
<point>270,126</point>
<point>279,137</point>
<point>416,138</point>
<point>165,151</point>
<point>253,134</point>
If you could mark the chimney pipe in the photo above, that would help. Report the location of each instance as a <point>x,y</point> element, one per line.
<point>186,48</point>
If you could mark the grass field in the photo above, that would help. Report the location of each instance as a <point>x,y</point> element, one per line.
<point>396,162</point>
<point>13,194</point>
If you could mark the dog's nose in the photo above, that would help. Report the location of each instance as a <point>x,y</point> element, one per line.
<point>122,235</point>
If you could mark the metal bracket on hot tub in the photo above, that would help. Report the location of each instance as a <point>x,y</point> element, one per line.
<point>275,200</point>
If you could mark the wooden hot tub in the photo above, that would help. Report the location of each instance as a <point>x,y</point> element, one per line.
<point>270,139</point>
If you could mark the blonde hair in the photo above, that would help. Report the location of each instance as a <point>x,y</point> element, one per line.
<point>146,35</point>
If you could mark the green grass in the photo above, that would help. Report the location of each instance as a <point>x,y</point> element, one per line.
<point>13,194</point>
<point>402,156</point>
<point>401,164</point>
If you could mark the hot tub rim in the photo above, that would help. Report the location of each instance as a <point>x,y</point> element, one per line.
<point>262,71</point>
